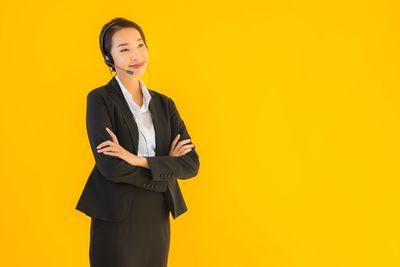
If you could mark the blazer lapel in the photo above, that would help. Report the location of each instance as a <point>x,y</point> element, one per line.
<point>154,107</point>
<point>157,115</point>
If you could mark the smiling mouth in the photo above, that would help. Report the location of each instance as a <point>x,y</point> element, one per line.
<point>137,65</point>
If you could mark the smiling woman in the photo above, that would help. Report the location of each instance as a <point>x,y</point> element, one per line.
<point>134,136</point>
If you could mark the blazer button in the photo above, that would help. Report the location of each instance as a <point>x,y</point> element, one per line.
<point>152,185</point>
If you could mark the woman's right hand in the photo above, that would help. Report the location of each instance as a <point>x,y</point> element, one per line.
<point>179,149</point>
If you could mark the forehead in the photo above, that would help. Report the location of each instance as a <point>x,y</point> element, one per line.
<point>125,35</point>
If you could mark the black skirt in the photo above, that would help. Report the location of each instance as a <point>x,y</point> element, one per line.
<point>140,240</point>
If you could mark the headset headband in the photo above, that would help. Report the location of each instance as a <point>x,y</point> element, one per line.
<point>107,58</point>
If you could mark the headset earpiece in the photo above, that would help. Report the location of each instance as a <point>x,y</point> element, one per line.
<point>108,60</point>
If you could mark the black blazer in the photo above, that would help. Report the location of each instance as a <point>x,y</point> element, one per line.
<point>107,192</point>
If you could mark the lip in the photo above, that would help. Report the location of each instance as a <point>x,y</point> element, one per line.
<point>137,66</point>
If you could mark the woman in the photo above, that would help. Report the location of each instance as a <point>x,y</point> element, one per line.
<point>134,135</point>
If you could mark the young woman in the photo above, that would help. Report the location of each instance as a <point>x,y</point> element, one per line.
<point>141,147</point>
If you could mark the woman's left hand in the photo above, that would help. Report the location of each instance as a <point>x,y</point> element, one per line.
<point>113,148</point>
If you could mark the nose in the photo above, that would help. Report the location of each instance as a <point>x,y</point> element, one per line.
<point>136,55</point>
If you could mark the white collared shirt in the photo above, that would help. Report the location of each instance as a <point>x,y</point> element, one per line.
<point>142,116</point>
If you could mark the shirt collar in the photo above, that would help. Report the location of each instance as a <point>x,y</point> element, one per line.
<point>128,95</point>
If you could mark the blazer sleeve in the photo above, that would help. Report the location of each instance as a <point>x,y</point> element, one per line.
<point>164,168</point>
<point>112,168</point>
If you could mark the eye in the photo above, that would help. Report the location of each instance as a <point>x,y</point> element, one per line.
<point>141,45</point>
<point>124,49</point>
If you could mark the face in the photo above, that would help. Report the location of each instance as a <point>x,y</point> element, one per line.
<point>129,52</point>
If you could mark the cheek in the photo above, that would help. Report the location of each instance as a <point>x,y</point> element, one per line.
<point>122,58</point>
<point>145,53</point>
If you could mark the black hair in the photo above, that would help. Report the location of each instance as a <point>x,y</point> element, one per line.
<point>108,31</point>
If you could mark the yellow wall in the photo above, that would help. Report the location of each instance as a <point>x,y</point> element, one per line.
<point>293,105</point>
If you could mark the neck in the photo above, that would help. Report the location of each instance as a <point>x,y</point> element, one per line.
<point>131,84</point>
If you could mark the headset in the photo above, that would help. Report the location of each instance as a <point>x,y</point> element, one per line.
<point>107,57</point>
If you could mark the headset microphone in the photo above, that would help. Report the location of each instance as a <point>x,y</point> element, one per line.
<point>127,71</point>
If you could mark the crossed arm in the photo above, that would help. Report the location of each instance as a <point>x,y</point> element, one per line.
<point>121,166</point>
<point>113,148</point>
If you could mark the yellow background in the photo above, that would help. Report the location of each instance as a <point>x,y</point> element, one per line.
<point>293,107</point>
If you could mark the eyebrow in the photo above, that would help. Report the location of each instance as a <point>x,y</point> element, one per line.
<point>127,43</point>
